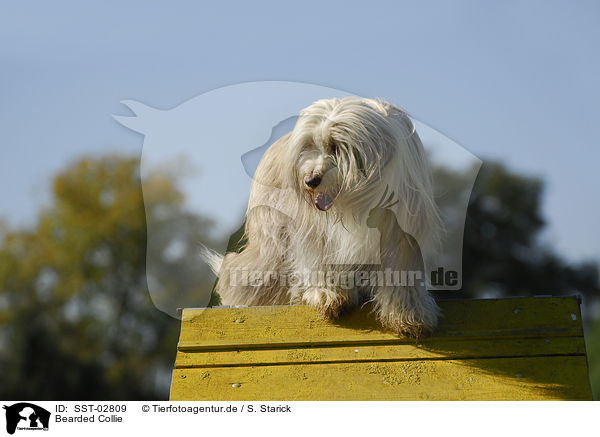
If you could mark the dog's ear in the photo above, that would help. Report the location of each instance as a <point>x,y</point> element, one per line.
<point>416,211</point>
<point>273,180</point>
<point>272,170</point>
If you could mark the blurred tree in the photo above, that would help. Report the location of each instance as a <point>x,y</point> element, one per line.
<point>502,251</point>
<point>76,319</point>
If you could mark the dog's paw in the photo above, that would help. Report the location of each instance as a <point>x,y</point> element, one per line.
<point>408,329</point>
<point>409,317</point>
<point>329,303</point>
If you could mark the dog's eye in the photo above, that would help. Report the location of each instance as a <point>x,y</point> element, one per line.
<point>333,147</point>
<point>359,162</point>
<point>306,147</point>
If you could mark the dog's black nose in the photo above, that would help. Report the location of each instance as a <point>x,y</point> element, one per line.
<point>312,182</point>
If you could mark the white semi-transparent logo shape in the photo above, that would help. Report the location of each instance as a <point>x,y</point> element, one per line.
<point>212,144</point>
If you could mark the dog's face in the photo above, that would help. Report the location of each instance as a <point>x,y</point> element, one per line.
<point>320,174</point>
<point>339,149</point>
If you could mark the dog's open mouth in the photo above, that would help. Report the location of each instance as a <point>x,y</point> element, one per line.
<point>323,201</point>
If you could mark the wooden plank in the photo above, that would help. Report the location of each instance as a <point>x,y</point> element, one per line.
<point>301,325</point>
<point>540,378</point>
<point>509,349</point>
<point>440,349</point>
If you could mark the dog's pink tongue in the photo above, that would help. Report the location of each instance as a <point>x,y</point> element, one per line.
<point>323,201</point>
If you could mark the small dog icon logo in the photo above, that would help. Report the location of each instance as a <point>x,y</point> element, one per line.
<point>26,416</point>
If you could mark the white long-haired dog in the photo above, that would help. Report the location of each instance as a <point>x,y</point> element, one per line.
<point>347,188</point>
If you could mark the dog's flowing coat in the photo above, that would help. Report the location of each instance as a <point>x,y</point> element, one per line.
<point>348,185</point>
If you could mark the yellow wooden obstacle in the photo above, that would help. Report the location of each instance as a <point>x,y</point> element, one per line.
<point>485,349</point>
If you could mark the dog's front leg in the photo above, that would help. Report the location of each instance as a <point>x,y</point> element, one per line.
<point>406,310</point>
<point>330,302</point>
<point>327,289</point>
<point>405,305</point>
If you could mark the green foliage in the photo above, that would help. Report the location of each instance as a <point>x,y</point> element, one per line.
<point>76,318</point>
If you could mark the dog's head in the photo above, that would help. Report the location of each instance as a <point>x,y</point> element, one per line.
<point>339,148</point>
<point>349,154</point>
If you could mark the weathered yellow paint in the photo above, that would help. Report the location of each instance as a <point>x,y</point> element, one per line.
<point>509,349</point>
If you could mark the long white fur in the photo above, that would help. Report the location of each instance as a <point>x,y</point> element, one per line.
<point>367,152</point>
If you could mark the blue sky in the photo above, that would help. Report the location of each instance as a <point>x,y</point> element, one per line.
<point>514,81</point>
